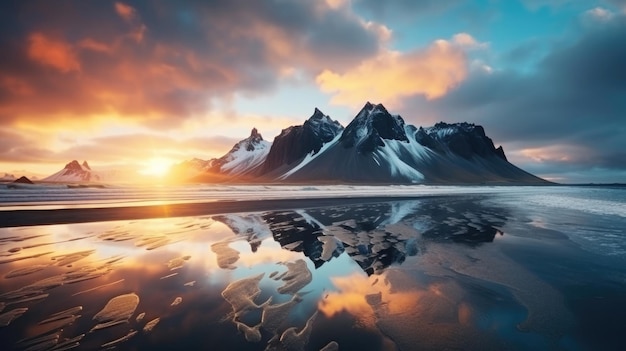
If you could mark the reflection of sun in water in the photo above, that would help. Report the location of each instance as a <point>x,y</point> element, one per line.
<point>156,166</point>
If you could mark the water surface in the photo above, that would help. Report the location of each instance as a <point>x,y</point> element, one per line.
<point>482,271</point>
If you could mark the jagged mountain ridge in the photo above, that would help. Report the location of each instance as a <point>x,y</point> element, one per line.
<point>296,142</point>
<point>375,147</point>
<point>378,147</point>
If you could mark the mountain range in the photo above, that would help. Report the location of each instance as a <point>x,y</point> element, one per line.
<point>376,147</point>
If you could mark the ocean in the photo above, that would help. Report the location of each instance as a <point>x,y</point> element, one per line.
<point>420,268</point>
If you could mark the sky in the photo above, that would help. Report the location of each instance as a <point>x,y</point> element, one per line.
<point>139,85</point>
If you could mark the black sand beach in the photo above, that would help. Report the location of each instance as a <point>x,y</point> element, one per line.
<point>475,272</point>
<point>26,217</point>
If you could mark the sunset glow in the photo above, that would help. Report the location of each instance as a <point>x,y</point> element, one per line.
<point>157,167</point>
<point>95,80</point>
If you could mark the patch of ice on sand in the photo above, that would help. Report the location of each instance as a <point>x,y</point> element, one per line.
<point>226,256</point>
<point>331,346</point>
<point>7,317</point>
<point>118,310</point>
<point>297,276</point>
<point>119,340</point>
<point>274,316</point>
<point>150,325</point>
<point>292,340</point>
<point>241,294</point>
<point>330,246</point>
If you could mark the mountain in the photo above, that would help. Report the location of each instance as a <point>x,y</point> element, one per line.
<point>7,177</point>
<point>378,147</point>
<point>296,142</point>
<point>73,172</point>
<point>375,147</point>
<point>242,162</point>
<point>23,180</point>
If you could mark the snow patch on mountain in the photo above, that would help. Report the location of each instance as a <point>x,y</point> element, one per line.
<point>310,157</point>
<point>371,126</point>
<point>242,159</point>
<point>391,156</point>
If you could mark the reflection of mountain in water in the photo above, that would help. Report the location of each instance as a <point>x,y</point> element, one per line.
<point>373,235</point>
<point>468,222</point>
<point>250,226</point>
<point>292,231</point>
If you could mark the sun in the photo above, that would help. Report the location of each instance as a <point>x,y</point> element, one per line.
<point>156,167</point>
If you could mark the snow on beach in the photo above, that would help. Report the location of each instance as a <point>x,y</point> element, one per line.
<point>60,196</point>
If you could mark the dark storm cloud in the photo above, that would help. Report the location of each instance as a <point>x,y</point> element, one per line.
<point>570,107</point>
<point>161,61</point>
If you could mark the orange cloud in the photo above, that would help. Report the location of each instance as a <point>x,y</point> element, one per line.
<point>125,11</point>
<point>361,296</point>
<point>94,45</point>
<point>54,53</point>
<point>467,41</point>
<point>393,75</point>
<point>553,153</point>
<point>16,85</point>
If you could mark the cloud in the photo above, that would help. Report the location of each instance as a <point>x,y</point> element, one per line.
<point>161,63</point>
<point>567,111</point>
<point>53,53</point>
<point>467,41</point>
<point>125,11</point>
<point>16,148</point>
<point>598,14</point>
<point>394,75</point>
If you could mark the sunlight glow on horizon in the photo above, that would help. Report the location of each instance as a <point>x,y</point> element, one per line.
<point>157,167</point>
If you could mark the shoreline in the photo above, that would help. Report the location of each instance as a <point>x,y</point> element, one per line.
<point>23,218</point>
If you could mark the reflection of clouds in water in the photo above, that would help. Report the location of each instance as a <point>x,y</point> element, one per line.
<point>298,256</point>
<point>362,296</point>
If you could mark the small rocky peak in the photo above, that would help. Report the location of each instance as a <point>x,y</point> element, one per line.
<point>74,165</point>
<point>86,165</point>
<point>500,153</point>
<point>23,180</point>
<point>254,139</point>
<point>373,121</point>
<point>255,134</point>
<point>317,114</point>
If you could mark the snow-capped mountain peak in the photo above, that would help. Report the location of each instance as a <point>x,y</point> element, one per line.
<point>73,172</point>
<point>245,156</point>
<point>371,126</point>
<point>322,126</point>
<point>297,142</point>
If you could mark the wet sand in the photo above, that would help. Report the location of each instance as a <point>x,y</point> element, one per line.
<point>18,218</point>
<point>476,272</point>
